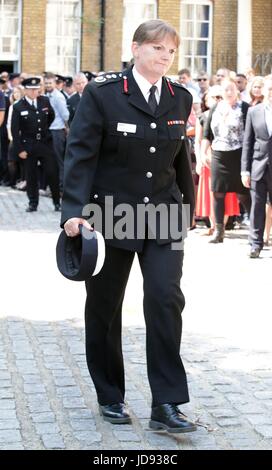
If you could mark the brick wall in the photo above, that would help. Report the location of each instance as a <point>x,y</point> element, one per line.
<point>262,33</point>
<point>113,35</point>
<point>90,45</point>
<point>33,36</point>
<point>224,34</point>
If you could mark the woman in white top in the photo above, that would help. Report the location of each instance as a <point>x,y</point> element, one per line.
<point>224,131</point>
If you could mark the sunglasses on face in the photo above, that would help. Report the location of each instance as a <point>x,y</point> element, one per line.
<point>202,79</point>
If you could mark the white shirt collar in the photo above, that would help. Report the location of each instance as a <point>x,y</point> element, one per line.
<point>145,85</point>
<point>30,101</point>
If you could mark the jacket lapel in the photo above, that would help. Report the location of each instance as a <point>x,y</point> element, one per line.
<point>135,96</point>
<point>167,101</point>
<point>261,120</point>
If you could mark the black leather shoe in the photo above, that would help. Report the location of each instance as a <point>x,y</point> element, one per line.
<point>255,252</point>
<point>169,418</point>
<point>115,414</point>
<point>31,208</point>
<point>57,207</point>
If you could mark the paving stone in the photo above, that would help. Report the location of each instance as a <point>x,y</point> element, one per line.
<point>228,422</point>
<point>5,384</point>
<point>10,436</point>
<point>6,404</point>
<point>73,402</point>
<point>127,436</point>
<point>83,425</point>
<point>31,379</point>
<point>34,388</point>
<point>159,440</point>
<point>47,428</point>
<point>14,446</point>
<point>64,381</point>
<point>265,395</point>
<point>52,441</point>
<point>140,409</point>
<point>9,424</point>
<point>249,408</point>
<point>88,437</point>
<point>36,407</point>
<point>55,366</point>
<point>259,419</point>
<point>264,431</point>
<point>82,413</point>
<point>69,392</point>
<point>43,417</point>
<point>7,414</point>
<point>62,373</point>
<point>134,395</point>
<point>5,375</point>
<point>224,413</point>
<point>6,393</point>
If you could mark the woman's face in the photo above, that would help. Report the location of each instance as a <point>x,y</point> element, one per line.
<point>154,59</point>
<point>257,90</point>
<point>230,92</point>
<point>16,94</point>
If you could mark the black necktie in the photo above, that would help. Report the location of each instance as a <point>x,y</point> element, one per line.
<point>152,99</point>
<point>33,104</point>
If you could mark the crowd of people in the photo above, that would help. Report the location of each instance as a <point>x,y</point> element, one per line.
<point>225,195</point>
<point>35,117</point>
<point>231,156</point>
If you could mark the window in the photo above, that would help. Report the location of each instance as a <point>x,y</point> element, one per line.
<point>63,34</point>
<point>10,30</point>
<point>195,33</point>
<point>135,13</point>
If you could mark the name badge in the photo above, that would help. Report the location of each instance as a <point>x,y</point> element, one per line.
<point>123,127</point>
<point>24,113</point>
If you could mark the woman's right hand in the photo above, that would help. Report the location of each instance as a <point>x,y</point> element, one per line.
<point>71,226</point>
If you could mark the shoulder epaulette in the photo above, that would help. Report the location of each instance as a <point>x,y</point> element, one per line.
<point>107,78</point>
<point>177,84</point>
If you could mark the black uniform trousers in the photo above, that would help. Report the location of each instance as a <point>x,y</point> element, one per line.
<point>43,152</point>
<point>163,303</point>
<point>258,191</point>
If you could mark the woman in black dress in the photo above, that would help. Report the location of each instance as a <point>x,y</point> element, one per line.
<point>224,131</point>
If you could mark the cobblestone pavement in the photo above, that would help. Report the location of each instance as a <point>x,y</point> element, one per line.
<point>47,400</point>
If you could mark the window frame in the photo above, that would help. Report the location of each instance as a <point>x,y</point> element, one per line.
<point>194,39</point>
<point>8,56</point>
<point>136,2</point>
<point>61,38</point>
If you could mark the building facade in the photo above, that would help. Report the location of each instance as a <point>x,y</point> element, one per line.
<point>65,36</point>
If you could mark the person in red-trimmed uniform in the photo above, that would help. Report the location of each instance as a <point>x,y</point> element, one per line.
<point>128,140</point>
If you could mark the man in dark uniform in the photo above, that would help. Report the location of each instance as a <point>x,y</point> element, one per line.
<point>32,140</point>
<point>128,141</point>
<point>80,81</point>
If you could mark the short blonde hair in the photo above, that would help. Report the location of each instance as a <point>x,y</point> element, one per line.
<point>256,79</point>
<point>154,30</point>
